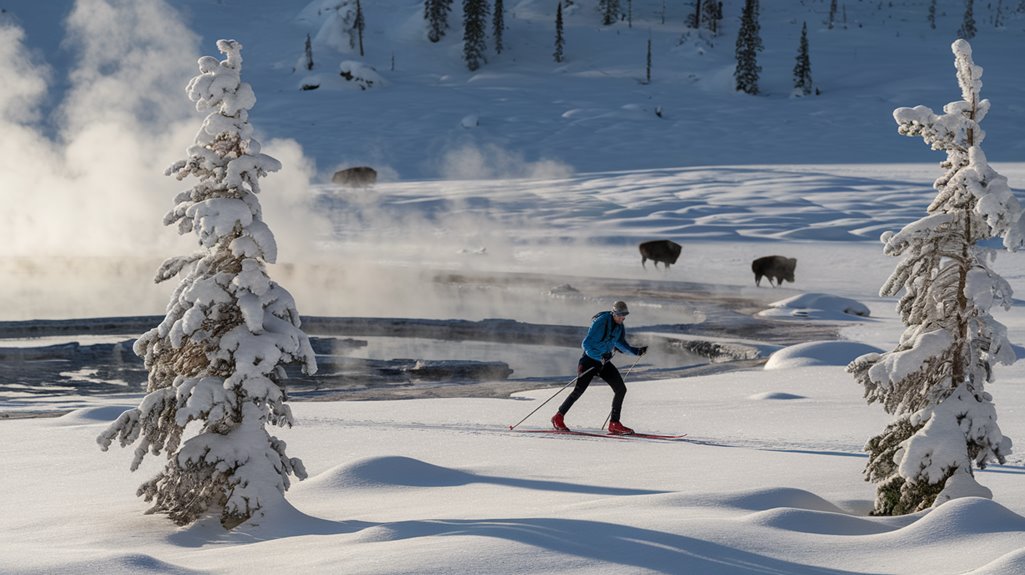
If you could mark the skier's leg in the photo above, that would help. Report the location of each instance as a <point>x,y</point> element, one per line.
<point>585,374</point>
<point>611,376</point>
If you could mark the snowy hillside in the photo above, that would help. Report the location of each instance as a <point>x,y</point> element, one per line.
<point>522,114</point>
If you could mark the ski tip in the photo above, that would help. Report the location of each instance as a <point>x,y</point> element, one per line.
<point>510,427</point>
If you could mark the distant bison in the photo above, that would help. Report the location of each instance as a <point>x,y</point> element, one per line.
<point>774,267</point>
<point>358,177</point>
<point>665,251</point>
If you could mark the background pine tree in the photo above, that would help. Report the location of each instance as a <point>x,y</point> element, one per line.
<point>359,26</point>
<point>647,68</point>
<point>499,25</point>
<point>802,68</point>
<point>436,15</point>
<point>560,40</point>
<point>712,16</point>
<point>695,16</point>
<point>475,17</point>
<point>308,52</point>
<point>609,10</point>
<point>749,43</point>
<point>967,29</point>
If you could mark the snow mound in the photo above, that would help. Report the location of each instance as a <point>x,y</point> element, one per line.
<point>819,522</point>
<point>90,415</point>
<point>360,74</point>
<point>966,517</point>
<point>766,499</point>
<point>814,353</point>
<point>1011,564</point>
<point>818,306</point>
<point>775,395</point>
<point>388,471</point>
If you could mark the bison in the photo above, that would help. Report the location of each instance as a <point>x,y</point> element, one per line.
<point>357,177</point>
<point>774,267</point>
<point>665,251</point>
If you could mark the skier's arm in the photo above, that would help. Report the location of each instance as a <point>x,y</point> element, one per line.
<point>592,342</point>
<point>623,346</point>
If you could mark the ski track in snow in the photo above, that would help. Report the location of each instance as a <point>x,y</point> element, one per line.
<point>829,448</point>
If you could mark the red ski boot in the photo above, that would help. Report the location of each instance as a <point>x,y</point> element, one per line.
<point>617,428</point>
<point>558,423</point>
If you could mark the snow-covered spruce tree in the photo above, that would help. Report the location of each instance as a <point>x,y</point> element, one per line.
<point>475,18</point>
<point>749,43</point>
<point>933,381</point>
<point>967,29</point>
<point>802,68</point>
<point>218,357</point>
<point>498,25</point>
<point>436,15</point>
<point>560,40</point>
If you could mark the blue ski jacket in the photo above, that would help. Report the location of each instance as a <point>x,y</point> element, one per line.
<point>605,335</point>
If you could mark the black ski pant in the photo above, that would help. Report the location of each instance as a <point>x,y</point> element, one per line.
<point>587,368</point>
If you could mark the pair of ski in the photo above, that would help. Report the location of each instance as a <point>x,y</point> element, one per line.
<point>607,435</point>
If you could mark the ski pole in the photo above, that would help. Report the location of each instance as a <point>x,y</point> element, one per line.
<point>571,382</point>
<point>631,368</point>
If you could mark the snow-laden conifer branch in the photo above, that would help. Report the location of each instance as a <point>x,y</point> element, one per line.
<point>218,356</point>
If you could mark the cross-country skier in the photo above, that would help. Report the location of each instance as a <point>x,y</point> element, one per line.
<point>607,333</point>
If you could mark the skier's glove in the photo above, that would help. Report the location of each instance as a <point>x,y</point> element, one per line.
<point>606,356</point>
<point>642,350</point>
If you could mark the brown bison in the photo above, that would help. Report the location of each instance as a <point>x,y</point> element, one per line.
<point>665,251</point>
<point>774,267</point>
<point>357,177</point>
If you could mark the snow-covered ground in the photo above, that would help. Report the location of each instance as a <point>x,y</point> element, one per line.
<point>768,479</point>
